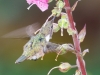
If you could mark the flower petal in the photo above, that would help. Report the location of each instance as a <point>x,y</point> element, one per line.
<point>42,5</point>
<point>30,1</point>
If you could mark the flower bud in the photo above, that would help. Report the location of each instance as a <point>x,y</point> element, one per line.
<point>77,72</point>
<point>60,4</point>
<point>64,67</point>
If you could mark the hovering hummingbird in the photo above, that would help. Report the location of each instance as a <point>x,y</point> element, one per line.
<point>36,46</point>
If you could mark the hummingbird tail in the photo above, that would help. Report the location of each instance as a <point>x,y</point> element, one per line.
<point>20,59</point>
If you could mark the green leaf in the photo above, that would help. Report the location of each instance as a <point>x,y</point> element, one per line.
<point>64,15</point>
<point>85,51</point>
<point>54,11</point>
<point>63,23</point>
<point>66,24</point>
<point>56,28</point>
<point>82,34</point>
<point>71,31</point>
<point>58,12</point>
<point>60,4</point>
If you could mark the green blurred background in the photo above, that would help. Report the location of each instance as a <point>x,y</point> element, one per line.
<point>14,15</point>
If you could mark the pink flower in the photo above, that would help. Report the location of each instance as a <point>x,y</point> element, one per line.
<point>42,4</point>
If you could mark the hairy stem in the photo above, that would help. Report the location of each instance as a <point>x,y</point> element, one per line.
<point>75,39</point>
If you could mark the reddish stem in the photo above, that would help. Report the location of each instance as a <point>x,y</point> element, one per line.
<point>75,39</point>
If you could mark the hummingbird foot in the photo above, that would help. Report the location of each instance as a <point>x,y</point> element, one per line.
<point>58,55</point>
<point>42,57</point>
<point>37,31</point>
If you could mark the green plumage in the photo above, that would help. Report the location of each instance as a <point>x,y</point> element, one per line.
<point>36,46</point>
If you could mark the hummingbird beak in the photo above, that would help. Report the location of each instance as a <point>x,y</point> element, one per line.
<point>20,59</point>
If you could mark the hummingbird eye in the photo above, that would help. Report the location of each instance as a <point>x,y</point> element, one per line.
<point>28,45</point>
<point>40,39</point>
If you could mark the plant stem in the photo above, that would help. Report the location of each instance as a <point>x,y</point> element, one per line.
<point>75,39</point>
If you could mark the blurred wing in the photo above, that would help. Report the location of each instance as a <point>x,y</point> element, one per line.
<point>24,32</point>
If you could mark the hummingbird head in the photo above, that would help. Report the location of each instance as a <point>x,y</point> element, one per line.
<point>28,46</point>
<point>26,52</point>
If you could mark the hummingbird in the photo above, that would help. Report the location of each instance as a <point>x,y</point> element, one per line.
<point>36,46</point>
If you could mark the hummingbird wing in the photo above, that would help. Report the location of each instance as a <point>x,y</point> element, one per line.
<point>24,32</point>
<point>49,36</point>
